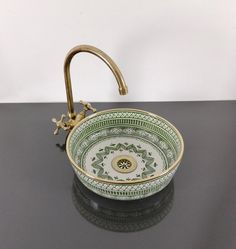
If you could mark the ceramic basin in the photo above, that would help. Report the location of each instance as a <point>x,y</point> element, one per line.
<point>125,154</point>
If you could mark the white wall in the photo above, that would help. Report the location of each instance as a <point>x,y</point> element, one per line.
<point>167,50</point>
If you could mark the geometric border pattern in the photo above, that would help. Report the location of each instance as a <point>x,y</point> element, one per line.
<point>129,118</point>
<point>126,118</point>
<point>126,191</point>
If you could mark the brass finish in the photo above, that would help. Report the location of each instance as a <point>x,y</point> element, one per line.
<point>124,164</point>
<point>60,124</point>
<point>73,118</point>
<point>71,122</point>
<point>123,90</point>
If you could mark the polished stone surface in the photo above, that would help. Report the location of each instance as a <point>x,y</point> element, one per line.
<point>43,207</point>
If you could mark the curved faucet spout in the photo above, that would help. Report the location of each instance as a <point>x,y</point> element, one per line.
<point>123,90</point>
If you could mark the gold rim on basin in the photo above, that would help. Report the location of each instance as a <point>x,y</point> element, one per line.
<point>177,161</point>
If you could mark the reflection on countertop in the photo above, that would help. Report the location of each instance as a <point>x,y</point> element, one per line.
<point>122,216</point>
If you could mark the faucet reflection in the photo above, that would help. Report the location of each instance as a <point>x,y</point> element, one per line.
<point>62,147</point>
<point>122,216</point>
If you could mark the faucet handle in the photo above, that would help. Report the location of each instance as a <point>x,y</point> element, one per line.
<point>60,124</point>
<point>71,122</point>
<point>87,106</point>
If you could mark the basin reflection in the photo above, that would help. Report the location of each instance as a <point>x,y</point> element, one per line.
<point>122,216</point>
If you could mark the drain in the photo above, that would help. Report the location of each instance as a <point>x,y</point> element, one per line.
<point>124,164</point>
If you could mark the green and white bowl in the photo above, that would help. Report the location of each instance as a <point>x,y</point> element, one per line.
<point>125,154</point>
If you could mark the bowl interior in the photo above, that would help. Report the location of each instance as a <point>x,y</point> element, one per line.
<point>124,144</point>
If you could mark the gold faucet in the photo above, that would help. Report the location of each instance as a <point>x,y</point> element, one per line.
<point>73,118</point>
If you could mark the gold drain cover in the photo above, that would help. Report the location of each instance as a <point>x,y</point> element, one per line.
<point>124,164</point>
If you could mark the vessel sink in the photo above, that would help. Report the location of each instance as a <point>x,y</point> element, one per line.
<point>124,154</point>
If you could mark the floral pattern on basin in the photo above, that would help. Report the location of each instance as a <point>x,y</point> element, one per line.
<point>103,156</point>
<point>96,154</point>
<point>121,146</point>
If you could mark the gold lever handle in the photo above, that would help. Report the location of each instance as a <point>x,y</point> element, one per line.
<point>70,123</point>
<point>87,106</point>
<point>60,124</point>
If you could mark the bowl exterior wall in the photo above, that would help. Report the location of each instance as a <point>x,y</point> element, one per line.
<point>121,191</point>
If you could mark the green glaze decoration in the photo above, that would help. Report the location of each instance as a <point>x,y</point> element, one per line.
<point>125,153</point>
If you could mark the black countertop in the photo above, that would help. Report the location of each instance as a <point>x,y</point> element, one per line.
<point>42,206</point>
